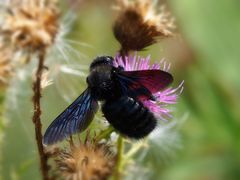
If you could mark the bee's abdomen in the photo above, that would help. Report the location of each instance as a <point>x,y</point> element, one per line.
<point>129,117</point>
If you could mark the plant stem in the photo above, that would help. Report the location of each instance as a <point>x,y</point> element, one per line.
<point>37,113</point>
<point>105,133</point>
<point>118,169</point>
<point>133,150</point>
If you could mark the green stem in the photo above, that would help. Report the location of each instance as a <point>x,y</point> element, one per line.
<point>118,169</point>
<point>128,155</point>
<point>105,133</point>
<point>133,150</point>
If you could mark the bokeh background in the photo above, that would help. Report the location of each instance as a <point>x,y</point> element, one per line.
<point>206,57</point>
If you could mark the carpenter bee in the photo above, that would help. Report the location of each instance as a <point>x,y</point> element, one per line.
<point>121,93</point>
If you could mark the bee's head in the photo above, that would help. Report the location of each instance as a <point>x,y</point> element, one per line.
<point>101,60</point>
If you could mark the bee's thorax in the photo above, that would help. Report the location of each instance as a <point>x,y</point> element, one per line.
<point>101,83</point>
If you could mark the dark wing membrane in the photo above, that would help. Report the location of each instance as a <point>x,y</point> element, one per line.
<point>74,119</point>
<point>153,80</point>
<point>142,84</point>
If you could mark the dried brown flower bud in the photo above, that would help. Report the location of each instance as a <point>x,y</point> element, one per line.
<point>138,24</point>
<point>88,160</point>
<point>31,25</point>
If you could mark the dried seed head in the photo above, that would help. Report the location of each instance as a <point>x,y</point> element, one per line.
<point>86,161</point>
<point>30,25</point>
<point>6,69</point>
<point>138,24</point>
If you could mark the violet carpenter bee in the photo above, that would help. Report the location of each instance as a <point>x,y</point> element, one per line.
<point>121,92</point>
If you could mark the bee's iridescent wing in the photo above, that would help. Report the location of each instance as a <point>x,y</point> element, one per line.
<point>142,84</point>
<point>74,119</point>
<point>153,80</point>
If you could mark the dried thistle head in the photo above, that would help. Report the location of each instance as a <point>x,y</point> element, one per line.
<point>88,160</point>
<point>30,25</point>
<point>6,68</point>
<point>139,24</point>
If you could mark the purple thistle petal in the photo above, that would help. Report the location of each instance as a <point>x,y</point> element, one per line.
<point>165,97</point>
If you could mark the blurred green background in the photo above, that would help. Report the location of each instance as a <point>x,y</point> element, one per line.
<point>208,59</point>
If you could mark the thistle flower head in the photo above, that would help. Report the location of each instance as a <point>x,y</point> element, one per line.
<point>163,98</point>
<point>139,24</point>
<point>30,24</point>
<point>88,160</point>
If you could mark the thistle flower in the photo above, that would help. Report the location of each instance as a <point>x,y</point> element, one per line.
<point>139,24</point>
<point>30,25</point>
<point>163,98</point>
<point>88,160</point>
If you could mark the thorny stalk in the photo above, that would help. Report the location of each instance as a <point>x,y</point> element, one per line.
<point>37,113</point>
